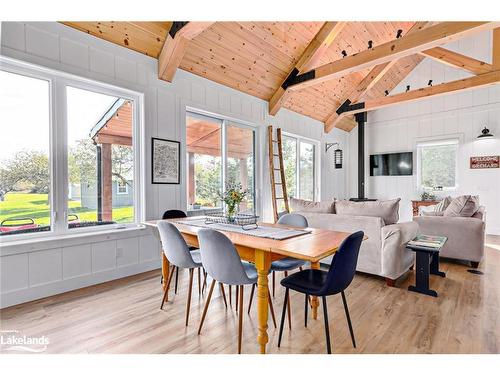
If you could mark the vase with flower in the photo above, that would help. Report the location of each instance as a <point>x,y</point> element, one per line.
<point>232,197</point>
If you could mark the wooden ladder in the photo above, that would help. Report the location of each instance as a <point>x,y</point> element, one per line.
<point>273,169</point>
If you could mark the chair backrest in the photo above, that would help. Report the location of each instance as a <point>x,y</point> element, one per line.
<point>174,246</point>
<point>173,214</point>
<point>343,265</point>
<point>294,220</point>
<point>220,258</point>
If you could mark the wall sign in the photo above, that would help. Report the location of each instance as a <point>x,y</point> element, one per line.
<point>484,162</point>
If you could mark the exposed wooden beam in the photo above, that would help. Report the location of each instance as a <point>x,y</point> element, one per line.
<point>457,60</point>
<point>409,44</point>
<point>482,80</point>
<point>175,46</point>
<point>311,55</point>
<point>113,139</point>
<point>496,48</point>
<point>371,79</point>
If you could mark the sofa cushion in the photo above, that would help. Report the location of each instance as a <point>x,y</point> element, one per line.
<point>387,210</point>
<point>326,207</point>
<point>464,206</point>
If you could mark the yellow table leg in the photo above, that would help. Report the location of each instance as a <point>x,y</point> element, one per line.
<point>262,263</point>
<point>314,299</point>
<point>165,270</point>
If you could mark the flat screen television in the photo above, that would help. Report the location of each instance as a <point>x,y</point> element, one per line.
<point>396,164</point>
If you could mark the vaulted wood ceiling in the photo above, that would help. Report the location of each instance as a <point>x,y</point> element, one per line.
<point>257,57</point>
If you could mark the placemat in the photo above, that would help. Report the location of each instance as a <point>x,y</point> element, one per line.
<point>261,231</point>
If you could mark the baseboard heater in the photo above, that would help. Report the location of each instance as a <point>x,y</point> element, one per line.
<point>361,119</point>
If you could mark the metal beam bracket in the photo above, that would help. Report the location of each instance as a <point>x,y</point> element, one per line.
<point>347,106</point>
<point>176,26</point>
<point>294,78</point>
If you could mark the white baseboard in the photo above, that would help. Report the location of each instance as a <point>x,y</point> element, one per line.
<point>41,291</point>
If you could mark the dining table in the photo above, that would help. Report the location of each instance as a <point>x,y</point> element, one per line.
<point>312,246</point>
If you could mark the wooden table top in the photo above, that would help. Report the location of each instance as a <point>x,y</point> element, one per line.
<point>314,246</point>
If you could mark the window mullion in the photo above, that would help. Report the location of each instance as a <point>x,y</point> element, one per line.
<point>223,158</point>
<point>60,171</point>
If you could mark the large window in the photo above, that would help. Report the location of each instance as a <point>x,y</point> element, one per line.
<point>437,164</point>
<point>25,178</point>
<point>299,158</point>
<point>91,129</point>
<point>219,152</point>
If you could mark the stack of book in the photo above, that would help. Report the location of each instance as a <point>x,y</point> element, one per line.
<point>433,242</point>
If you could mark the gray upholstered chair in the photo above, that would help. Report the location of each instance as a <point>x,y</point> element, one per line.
<point>223,264</point>
<point>177,252</point>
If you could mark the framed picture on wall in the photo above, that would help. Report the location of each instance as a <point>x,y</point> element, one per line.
<point>165,161</point>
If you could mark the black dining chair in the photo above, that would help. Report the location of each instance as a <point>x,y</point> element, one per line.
<point>319,283</point>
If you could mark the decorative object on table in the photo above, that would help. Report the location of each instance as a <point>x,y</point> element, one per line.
<point>165,161</point>
<point>427,250</point>
<point>232,197</point>
<point>245,221</point>
<point>485,133</point>
<point>484,162</point>
<point>427,196</point>
<point>337,154</point>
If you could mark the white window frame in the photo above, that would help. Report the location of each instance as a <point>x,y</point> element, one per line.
<point>434,141</point>
<point>226,121</point>
<point>58,150</point>
<point>317,163</point>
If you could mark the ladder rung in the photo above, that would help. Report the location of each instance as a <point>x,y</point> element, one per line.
<point>280,198</point>
<point>275,141</point>
<point>277,169</point>
<point>276,154</point>
<point>278,183</point>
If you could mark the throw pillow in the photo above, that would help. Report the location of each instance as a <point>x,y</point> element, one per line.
<point>327,207</point>
<point>387,210</point>
<point>464,206</point>
<point>443,205</point>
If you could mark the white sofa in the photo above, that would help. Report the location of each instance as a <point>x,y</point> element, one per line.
<point>384,253</point>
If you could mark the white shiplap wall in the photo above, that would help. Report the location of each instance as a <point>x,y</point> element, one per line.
<point>399,127</point>
<point>25,269</point>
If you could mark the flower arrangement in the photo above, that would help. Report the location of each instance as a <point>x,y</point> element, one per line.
<point>232,197</point>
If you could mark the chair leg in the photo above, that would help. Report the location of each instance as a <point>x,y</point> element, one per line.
<point>204,314</point>
<point>274,282</point>
<point>306,307</point>
<point>283,312</point>
<point>327,326</point>
<point>204,281</point>
<point>300,268</point>
<point>176,278</point>
<point>289,310</point>
<point>251,298</point>
<point>348,318</point>
<point>271,307</point>
<point>199,282</point>
<point>237,294</point>
<point>223,292</point>
<point>166,289</point>
<point>230,296</point>
<point>190,290</point>
<point>240,322</point>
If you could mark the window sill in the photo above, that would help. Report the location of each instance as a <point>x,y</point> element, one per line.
<point>70,239</point>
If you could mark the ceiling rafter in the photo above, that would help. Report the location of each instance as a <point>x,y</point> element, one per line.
<point>444,32</point>
<point>371,79</point>
<point>175,46</point>
<point>311,55</point>
<point>457,60</point>
<point>496,48</point>
<point>482,80</point>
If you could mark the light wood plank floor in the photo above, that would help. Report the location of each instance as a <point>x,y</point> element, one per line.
<point>123,316</point>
